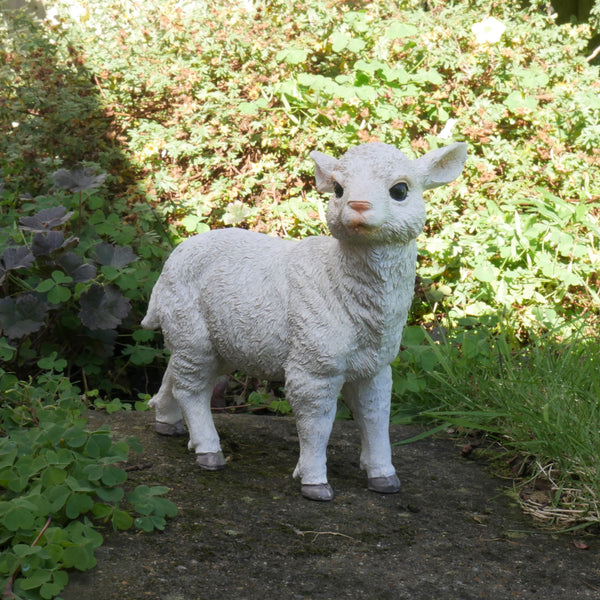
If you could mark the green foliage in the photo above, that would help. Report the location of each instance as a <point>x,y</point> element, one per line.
<point>541,400</point>
<point>59,483</point>
<point>66,295</point>
<point>211,125</point>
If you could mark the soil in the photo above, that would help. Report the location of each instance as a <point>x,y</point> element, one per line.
<point>453,532</point>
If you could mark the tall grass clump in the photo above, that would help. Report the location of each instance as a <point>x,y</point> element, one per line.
<point>541,400</point>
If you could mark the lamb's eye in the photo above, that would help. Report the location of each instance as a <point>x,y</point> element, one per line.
<point>399,191</point>
<point>338,189</point>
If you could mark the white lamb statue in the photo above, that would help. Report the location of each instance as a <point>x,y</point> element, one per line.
<point>324,314</point>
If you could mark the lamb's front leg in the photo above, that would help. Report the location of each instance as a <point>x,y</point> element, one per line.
<point>369,401</point>
<point>314,402</point>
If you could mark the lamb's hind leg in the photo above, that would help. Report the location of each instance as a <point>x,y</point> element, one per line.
<point>369,401</point>
<point>193,380</point>
<point>169,420</point>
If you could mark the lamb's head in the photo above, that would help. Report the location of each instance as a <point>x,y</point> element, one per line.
<point>378,191</point>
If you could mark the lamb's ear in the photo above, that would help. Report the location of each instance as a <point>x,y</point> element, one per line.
<point>324,165</point>
<point>442,165</point>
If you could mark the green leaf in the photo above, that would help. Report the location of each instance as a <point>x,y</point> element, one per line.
<point>141,355</point>
<point>246,108</point>
<point>339,41</point>
<point>102,511</point>
<point>113,476</point>
<point>413,336</point>
<point>59,294</point>
<point>53,476</point>
<point>57,497</point>
<point>150,523</point>
<point>292,56</point>
<point>143,335</point>
<point>399,30</point>
<point>51,590</point>
<point>36,579</point>
<point>485,273</point>
<point>94,471</point>
<point>76,437</point>
<point>16,518</point>
<point>134,444</point>
<point>80,556</point>
<point>516,101</point>
<point>78,504</point>
<point>121,519</point>
<point>113,495</point>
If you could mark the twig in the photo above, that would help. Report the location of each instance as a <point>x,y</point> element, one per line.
<point>141,467</point>
<point>99,87</point>
<point>593,55</point>
<point>318,533</point>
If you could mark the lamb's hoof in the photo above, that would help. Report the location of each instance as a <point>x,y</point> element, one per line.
<point>385,485</point>
<point>211,461</point>
<point>321,492</point>
<point>171,429</point>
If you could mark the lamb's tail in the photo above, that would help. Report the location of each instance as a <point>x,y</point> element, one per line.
<point>152,319</point>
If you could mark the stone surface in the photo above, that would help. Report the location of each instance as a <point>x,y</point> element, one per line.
<point>452,533</point>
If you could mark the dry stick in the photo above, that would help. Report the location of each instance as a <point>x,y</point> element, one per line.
<point>8,593</point>
<point>593,55</point>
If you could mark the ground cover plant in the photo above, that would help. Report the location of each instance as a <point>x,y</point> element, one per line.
<point>126,127</point>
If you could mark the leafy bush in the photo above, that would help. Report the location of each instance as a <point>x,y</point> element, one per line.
<point>72,292</point>
<point>58,483</point>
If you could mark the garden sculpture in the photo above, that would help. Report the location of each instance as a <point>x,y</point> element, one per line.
<point>324,314</point>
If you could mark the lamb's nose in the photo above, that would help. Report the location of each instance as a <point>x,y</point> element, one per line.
<point>359,205</point>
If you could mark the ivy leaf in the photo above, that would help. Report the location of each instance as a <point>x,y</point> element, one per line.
<point>51,242</point>
<point>103,307</point>
<point>46,219</point>
<point>23,315</point>
<point>78,180</point>
<point>114,256</point>
<point>74,266</point>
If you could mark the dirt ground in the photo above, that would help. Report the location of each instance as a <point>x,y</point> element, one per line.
<point>246,533</point>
